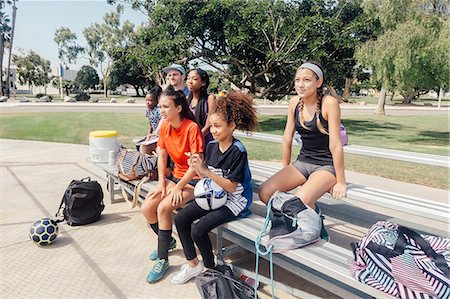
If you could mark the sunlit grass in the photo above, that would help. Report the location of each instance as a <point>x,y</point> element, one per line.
<point>428,134</point>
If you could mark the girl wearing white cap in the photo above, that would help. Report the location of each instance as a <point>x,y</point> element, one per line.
<point>319,168</point>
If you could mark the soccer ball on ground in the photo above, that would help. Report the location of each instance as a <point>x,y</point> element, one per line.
<point>44,231</point>
<point>209,195</point>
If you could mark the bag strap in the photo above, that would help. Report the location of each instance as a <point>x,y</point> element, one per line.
<point>401,243</point>
<point>86,179</point>
<point>68,190</point>
<point>137,191</point>
<point>59,211</point>
<point>260,252</point>
<point>125,195</point>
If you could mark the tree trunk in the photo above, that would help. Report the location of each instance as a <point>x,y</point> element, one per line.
<point>381,102</point>
<point>441,95</point>
<point>105,88</point>
<point>137,89</point>
<point>334,93</point>
<point>391,97</point>
<point>407,98</point>
<point>8,85</point>
<point>2,49</point>
<point>348,84</point>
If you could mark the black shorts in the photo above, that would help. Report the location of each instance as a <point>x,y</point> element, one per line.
<point>192,182</point>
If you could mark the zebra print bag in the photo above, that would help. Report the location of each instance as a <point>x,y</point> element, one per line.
<point>403,263</point>
<point>133,165</point>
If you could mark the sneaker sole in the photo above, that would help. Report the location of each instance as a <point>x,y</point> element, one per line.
<point>185,280</point>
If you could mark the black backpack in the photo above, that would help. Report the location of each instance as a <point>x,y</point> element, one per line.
<point>83,202</point>
<point>221,283</point>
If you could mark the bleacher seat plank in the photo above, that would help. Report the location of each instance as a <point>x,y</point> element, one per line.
<point>408,204</point>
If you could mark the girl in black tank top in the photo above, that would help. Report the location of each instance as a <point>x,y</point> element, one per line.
<point>319,167</point>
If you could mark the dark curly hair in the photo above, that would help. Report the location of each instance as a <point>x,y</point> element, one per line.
<point>238,107</point>
<point>155,91</point>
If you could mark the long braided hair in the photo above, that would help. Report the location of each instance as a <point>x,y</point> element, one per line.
<point>301,103</point>
<point>200,113</point>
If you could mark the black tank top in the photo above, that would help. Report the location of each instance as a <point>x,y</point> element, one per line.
<point>315,145</point>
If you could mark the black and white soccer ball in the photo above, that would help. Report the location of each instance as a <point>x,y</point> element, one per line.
<point>44,231</point>
<point>209,195</point>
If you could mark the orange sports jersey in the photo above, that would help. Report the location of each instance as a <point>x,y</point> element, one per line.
<point>187,138</point>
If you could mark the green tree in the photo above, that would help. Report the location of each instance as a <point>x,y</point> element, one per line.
<point>68,49</point>
<point>11,39</point>
<point>159,44</point>
<point>411,55</point>
<point>4,37</point>
<point>257,45</point>
<point>32,69</point>
<point>128,70</point>
<point>67,85</point>
<point>86,78</point>
<point>103,41</point>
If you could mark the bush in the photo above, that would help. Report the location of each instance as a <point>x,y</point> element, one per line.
<point>82,96</point>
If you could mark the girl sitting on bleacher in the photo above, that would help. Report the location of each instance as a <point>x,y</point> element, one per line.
<point>225,164</point>
<point>319,167</point>
<point>154,117</point>
<point>179,134</point>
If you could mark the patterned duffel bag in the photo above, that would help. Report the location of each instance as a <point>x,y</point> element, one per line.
<point>402,263</point>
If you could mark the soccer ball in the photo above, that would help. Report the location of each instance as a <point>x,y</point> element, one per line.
<point>209,195</point>
<point>44,231</point>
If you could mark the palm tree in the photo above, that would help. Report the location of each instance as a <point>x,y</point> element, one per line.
<point>3,29</point>
<point>14,10</point>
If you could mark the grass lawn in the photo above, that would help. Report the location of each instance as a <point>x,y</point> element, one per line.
<point>428,134</point>
<point>424,134</point>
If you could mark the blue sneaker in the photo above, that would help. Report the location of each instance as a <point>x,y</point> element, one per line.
<point>323,231</point>
<point>158,271</point>
<point>172,246</point>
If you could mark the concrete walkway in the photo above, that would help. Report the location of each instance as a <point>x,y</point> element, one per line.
<point>107,259</point>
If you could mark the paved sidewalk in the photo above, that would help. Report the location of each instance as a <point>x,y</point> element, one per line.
<point>107,259</point>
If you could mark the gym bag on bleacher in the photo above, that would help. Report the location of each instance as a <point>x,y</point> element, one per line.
<point>221,283</point>
<point>293,224</point>
<point>402,263</point>
<point>133,165</point>
<point>82,202</point>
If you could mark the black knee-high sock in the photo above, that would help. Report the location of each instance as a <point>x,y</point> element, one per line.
<point>154,227</point>
<point>164,238</point>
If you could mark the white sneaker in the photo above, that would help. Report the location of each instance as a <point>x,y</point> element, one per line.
<point>186,273</point>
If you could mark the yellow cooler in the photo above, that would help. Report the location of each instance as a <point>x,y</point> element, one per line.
<point>100,144</point>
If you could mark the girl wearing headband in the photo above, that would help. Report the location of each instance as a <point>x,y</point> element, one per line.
<point>319,168</point>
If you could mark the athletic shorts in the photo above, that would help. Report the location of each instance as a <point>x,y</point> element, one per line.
<point>192,182</point>
<point>308,168</point>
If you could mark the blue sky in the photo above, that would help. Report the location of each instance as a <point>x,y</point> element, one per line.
<point>37,22</point>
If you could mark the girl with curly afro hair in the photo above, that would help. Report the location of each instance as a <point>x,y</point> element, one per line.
<point>226,164</point>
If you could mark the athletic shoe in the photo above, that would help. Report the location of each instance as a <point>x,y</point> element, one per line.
<point>323,231</point>
<point>186,273</point>
<point>172,246</point>
<point>158,271</point>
